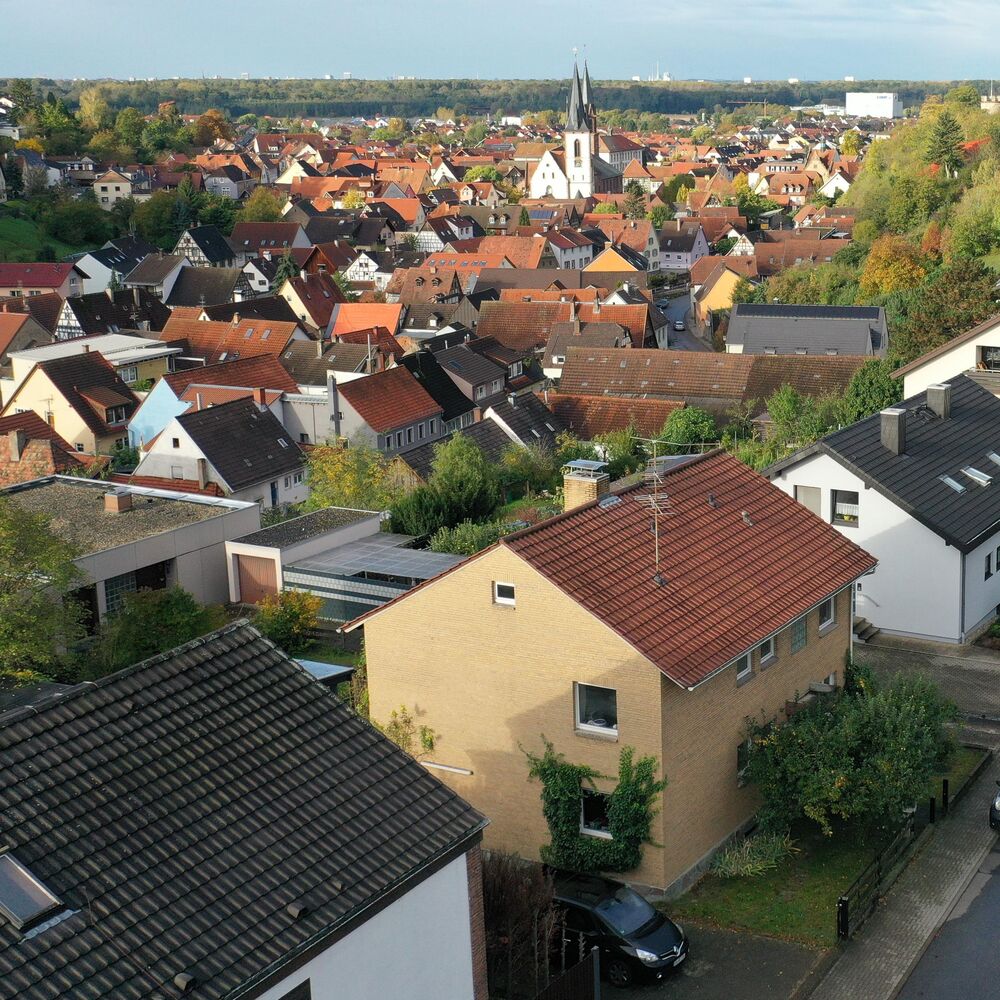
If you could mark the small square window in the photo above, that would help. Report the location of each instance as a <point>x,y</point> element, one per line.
<point>503,593</point>
<point>798,634</point>
<point>594,813</point>
<point>175,442</point>
<point>596,709</point>
<point>744,668</point>
<point>827,614</point>
<point>766,651</point>
<point>845,507</point>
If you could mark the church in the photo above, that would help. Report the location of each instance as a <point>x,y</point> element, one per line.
<point>574,170</point>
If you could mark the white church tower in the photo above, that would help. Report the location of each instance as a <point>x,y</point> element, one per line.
<point>578,137</point>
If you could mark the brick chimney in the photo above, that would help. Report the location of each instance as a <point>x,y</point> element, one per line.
<point>260,398</point>
<point>16,441</point>
<point>117,501</point>
<point>584,482</point>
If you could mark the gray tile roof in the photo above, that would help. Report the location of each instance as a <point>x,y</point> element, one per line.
<point>934,447</point>
<point>790,329</point>
<point>178,807</point>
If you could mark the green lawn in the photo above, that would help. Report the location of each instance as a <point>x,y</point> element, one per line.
<point>22,239</point>
<point>797,901</point>
<point>330,654</point>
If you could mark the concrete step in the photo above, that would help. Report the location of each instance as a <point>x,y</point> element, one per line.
<point>868,633</point>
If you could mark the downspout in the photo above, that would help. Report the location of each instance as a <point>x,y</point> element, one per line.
<point>961,605</point>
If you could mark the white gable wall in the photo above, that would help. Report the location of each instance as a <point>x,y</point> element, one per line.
<point>960,358</point>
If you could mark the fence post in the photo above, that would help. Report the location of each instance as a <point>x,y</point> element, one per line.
<point>931,809</point>
<point>944,797</point>
<point>596,954</point>
<point>843,918</point>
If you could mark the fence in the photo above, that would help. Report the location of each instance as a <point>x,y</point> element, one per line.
<point>581,982</point>
<point>859,901</point>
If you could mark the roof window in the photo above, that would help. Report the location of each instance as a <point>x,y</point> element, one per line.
<point>23,899</point>
<point>980,478</point>
<point>952,483</point>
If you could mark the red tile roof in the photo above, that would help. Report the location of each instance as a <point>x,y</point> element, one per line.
<point>263,371</point>
<point>351,316</point>
<point>590,416</point>
<point>222,341</point>
<point>389,399</point>
<point>34,275</point>
<point>729,584</point>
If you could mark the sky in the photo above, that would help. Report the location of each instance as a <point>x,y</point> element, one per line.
<point>692,39</point>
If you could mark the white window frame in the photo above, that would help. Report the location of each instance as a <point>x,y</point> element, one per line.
<point>744,668</point>
<point>771,655</point>
<point>588,831</point>
<point>586,727</point>
<point>828,623</point>
<point>508,601</point>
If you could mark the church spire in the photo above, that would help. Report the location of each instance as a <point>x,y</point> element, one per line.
<point>586,89</point>
<point>576,112</point>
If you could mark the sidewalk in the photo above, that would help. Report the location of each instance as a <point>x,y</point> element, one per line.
<point>875,964</point>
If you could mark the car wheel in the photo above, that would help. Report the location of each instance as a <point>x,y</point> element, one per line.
<point>619,973</point>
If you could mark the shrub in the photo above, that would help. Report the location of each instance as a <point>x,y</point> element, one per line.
<point>750,857</point>
<point>288,618</point>
<point>467,538</point>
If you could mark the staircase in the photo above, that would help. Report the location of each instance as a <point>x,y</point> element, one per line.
<point>864,631</point>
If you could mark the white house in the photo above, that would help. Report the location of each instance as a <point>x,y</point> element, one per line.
<point>918,486</point>
<point>977,349</point>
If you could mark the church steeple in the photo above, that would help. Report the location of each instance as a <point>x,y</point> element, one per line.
<point>587,90</point>
<point>576,112</point>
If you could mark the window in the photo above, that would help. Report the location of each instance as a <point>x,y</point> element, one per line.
<point>304,439</point>
<point>297,478</point>
<point>827,614</point>
<point>115,415</point>
<point>989,566</point>
<point>420,431</point>
<point>409,435</point>
<point>744,668</point>
<point>845,507</point>
<point>596,709</point>
<point>175,442</point>
<point>23,899</point>
<point>594,813</point>
<point>432,425</point>
<point>78,445</point>
<point>399,439</point>
<point>129,374</point>
<point>116,588</point>
<point>798,634</point>
<point>480,391</point>
<point>809,497</point>
<point>503,593</point>
<point>766,651</point>
<point>288,481</point>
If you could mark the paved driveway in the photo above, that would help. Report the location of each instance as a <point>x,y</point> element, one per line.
<point>962,962</point>
<point>726,965</point>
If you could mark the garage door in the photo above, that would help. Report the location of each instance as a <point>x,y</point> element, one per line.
<point>258,578</point>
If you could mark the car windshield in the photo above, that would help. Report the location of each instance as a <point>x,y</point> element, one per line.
<point>626,911</point>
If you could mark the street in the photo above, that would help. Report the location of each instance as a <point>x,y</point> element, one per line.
<point>687,341</point>
<point>963,960</point>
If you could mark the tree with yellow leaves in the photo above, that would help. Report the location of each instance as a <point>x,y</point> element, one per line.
<point>894,264</point>
<point>353,475</point>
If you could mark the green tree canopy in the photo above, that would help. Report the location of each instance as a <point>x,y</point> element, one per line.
<point>871,389</point>
<point>943,144</point>
<point>687,428</point>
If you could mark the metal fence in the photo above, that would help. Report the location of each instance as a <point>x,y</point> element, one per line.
<point>581,982</point>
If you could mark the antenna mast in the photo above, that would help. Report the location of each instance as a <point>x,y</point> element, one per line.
<point>657,502</point>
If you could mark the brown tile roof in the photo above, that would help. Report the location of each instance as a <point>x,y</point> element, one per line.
<point>318,293</point>
<point>263,372</point>
<point>729,584</point>
<point>44,309</point>
<point>220,341</point>
<point>521,326</point>
<point>590,416</point>
<point>551,294</point>
<point>351,316</point>
<point>704,267</point>
<point>521,251</point>
<point>10,324</point>
<point>810,375</point>
<point>389,399</point>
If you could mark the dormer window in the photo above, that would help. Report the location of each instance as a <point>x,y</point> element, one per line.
<point>115,415</point>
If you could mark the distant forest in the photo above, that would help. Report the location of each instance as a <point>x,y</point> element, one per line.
<point>412,98</point>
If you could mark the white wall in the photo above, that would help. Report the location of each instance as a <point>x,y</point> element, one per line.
<point>982,596</point>
<point>419,947</point>
<point>916,588</point>
<point>961,358</point>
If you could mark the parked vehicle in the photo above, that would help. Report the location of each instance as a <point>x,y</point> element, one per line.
<point>679,325</point>
<point>995,810</point>
<point>636,941</point>
<point>662,303</point>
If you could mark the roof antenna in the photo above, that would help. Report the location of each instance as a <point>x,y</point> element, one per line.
<point>658,503</point>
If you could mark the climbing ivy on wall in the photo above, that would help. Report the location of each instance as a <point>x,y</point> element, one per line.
<point>630,810</point>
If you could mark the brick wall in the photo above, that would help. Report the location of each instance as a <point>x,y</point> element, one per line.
<point>36,461</point>
<point>474,867</point>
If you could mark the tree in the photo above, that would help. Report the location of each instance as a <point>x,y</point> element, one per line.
<point>466,538</point>
<point>743,291</point>
<point>607,208</point>
<point>421,512</point>
<point>14,177</point>
<point>944,143</point>
<point>894,264</point>
<point>871,389</point>
<point>635,201</point>
<point>22,93</point>
<point>38,620</point>
<point>262,206</point>
<point>353,475</point>
<point>150,622</point>
<point>850,143</point>
<point>686,429</point>
<point>78,222</point>
<point>659,216</point>
<point>287,268</point>
<point>289,618</point>
<point>129,125</point>
<point>475,133</point>
<point>482,173</point>
<point>353,199</point>
<point>217,210</point>
<point>154,219</point>
<point>465,479</point>
<point>524,219</point>
<point>36,182</point>
<point>210,126</point>
<point>95,112</point>
<point>965,94</point>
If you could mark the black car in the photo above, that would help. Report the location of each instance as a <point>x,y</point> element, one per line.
<point>636,941</point>
<point>995,810</point>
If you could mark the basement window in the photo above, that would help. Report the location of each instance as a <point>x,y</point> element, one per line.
<point>23,899</point>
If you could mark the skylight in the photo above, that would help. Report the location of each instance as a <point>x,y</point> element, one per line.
<point>952,483</point>
<point>23,899</point>
<point>982,478</point>
<point>993,457</point>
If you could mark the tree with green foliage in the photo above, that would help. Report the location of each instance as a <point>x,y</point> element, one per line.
<point>288,619</point>
<point>532,468</point>
<point>475,133</point>
<point>524,219</point>
<point>78,222</point>
<point>38,618</point>
<point>148,623</point>
<point>607,208</point>
<point>634,206</point>
<point>154,219</point>
<point>944,143</point>
<point>22,93</point>
<point>659,216</point>
<point>674,190</point>
<point>355,475</point>
<point>467,538</point>
<point>465,478</point>
<point>13,177</point>
<point>965,94</point>
<point>855,759</point>
<point>129,126</point>
<point>217,210</point>
<point>622,449</point>
<point>482,173</point>
<point>287,268</point>
<point>687,429</point>
<point>262,206</point>
<point>871,389</point>
<point>850,143</point>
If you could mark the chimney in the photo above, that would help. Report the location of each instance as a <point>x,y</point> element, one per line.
<point>333,401</point>
<point>939,400</point>
<point>894,429</point>
<point>260,398</point>
<point>303,274</point>
<point>319,348</point>
<point>16,441</point>
<point>117,501</point>
<point>236,319</point>
<point>86,348</point>
<point>584,485</point>
<point>197,402</point>
<point>202,473</point>
<point>512,399</point>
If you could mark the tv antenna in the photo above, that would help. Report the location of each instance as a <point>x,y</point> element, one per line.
<point>657,502</point>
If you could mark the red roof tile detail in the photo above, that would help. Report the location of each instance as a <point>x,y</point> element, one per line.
<point>590,416</point>
<point>263,371</point>
<point>389,399</point>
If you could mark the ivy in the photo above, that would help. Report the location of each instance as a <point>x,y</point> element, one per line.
<point>630,810</point>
